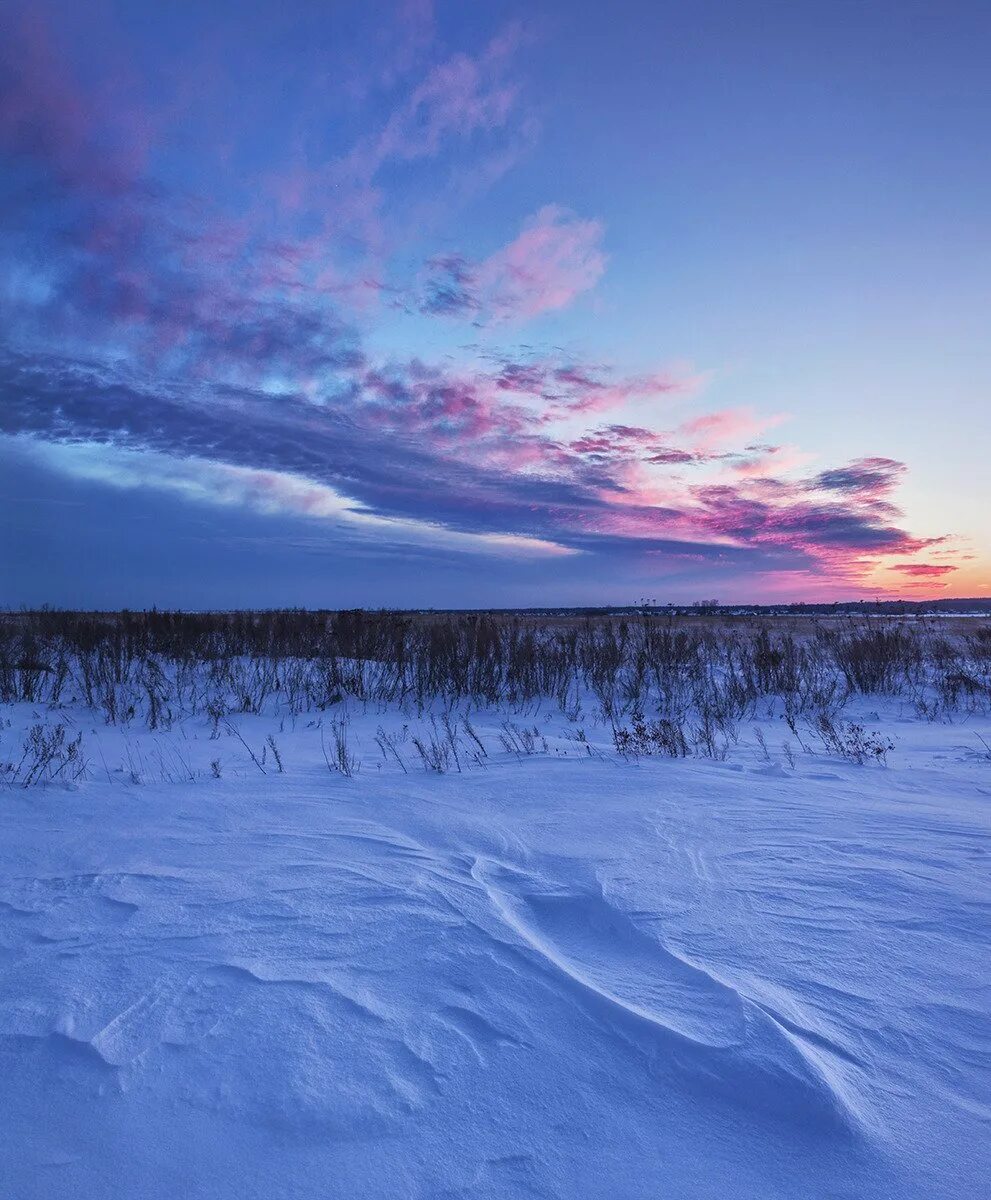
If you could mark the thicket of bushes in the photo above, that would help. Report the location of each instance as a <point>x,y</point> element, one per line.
<point>157,667</point>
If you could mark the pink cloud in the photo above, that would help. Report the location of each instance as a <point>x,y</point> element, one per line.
<point>457,99</point>
<point>760,460</point>
<point>596,396</point>
<point>714,430</point>
<point>924,570</point>
<point>553,260</point>
<point>569,389</point>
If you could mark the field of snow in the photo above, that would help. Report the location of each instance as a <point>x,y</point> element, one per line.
<point>552,974</point>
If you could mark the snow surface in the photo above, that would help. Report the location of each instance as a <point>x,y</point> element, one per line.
<point>558,975</point>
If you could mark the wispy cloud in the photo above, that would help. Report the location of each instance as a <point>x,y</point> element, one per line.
<point>274,493</point>
<point>554,259</point>
<point>924,570</point>
<point>153,339</point>
<point>411,444</point>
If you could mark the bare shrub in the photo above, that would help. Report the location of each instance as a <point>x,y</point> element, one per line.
<point>339,757</point>
<point>48,755</point>
<point>521,741</point>
<point>434,752</point>
<point>853,742</point>
<point>664,736</point>
<point>273,746</point>
<point>386,742</point>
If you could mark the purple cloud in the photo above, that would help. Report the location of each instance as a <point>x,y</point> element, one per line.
<point>154,324</point>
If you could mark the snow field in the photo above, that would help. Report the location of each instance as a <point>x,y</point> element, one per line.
<point>555,974</point>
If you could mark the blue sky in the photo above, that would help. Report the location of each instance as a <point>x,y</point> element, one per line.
<point>495,304</point>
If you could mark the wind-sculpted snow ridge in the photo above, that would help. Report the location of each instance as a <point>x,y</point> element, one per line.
<point>690,1023</point>
<point>556,973</point>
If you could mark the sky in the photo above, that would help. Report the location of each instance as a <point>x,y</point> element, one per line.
<point>413,304</point>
